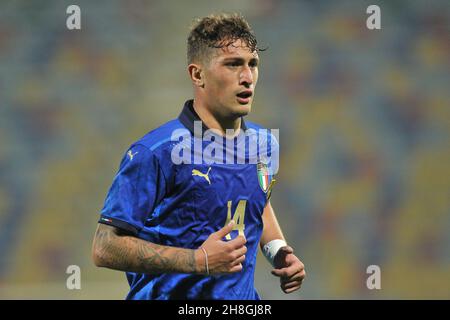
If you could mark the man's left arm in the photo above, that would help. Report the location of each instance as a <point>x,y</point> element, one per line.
<point>287,266</point>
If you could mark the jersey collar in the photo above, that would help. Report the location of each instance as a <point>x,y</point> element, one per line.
<point>188,116</point>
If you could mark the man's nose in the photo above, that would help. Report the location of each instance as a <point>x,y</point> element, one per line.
<point>246,77</point>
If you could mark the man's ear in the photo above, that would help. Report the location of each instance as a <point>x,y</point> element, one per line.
<point>196,73</point>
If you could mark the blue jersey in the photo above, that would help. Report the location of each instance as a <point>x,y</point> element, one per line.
<point>158,199</point>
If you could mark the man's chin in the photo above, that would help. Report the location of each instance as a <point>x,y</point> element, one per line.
<point>242,110</point>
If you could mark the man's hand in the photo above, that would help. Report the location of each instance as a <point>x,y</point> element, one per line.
<point>223,256</point>
<point>289,268</point>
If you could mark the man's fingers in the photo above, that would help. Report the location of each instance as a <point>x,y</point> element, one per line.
<point>295,279</point>
<point>238,260</point>
<point>240,251</point>
<point>290,285</point>
<point>236,268</point>
<point>289,280</point>
<point>284,272</point>
<point>289,273</point>
<point>225,230</point>
<point>290,290</point>
<point>237,242</point>
<point>294,274</point>
<point>293,283</point>
<point>279,272</point>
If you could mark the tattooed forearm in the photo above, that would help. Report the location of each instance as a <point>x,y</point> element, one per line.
<point>127,253</point>
<point>166,259</point>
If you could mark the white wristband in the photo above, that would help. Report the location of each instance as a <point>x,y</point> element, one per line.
<point>271,248</point>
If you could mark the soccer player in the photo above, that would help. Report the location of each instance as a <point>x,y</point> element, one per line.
<point>187,229</point>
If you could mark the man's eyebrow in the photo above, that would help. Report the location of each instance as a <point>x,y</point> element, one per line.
<point>240,59</point>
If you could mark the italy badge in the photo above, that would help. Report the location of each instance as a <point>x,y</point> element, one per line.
<point>265,179</point>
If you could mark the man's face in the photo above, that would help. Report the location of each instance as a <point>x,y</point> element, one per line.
<point>229,80</point>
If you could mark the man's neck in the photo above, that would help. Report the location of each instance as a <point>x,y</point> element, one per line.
<point>216,124</point>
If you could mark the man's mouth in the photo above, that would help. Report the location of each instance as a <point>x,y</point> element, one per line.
<point>244,96</point>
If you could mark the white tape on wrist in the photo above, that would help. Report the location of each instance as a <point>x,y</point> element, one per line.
<point>271,248</point>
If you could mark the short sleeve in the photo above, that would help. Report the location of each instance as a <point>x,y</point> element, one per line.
<point>136,191</point>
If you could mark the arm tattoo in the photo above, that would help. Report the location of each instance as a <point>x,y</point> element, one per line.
<point>166,259</point>
<point>128,253</point>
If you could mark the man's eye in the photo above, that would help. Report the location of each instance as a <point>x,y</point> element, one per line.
<point>233,64</point>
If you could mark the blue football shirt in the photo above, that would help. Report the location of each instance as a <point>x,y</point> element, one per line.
<point>158,199</point>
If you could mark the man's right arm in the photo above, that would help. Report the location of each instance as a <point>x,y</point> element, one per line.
<point>114,249</point>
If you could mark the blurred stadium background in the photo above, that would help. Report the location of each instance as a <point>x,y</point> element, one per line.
<point>364,120</point>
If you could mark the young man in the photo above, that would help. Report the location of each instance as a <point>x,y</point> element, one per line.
<point>184,229</point>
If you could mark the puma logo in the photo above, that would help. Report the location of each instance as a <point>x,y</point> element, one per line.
<point>195,172</point>
<point>131,154</point>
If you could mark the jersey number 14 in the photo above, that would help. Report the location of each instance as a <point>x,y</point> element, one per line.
<point>238,217</point>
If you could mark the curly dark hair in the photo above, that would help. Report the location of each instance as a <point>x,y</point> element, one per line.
<point>218,31</point>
